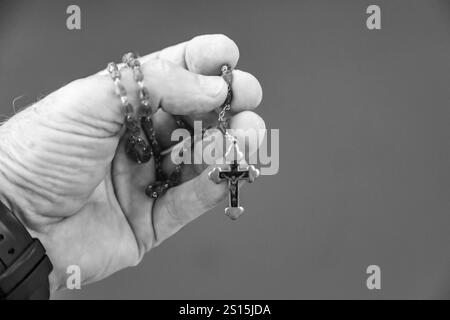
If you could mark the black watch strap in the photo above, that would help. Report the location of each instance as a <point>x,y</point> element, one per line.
<point>24,266</point>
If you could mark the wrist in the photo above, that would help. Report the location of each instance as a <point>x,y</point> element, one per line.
<point>7,186</point>
<point>24,265</point>
<point>12,195</point>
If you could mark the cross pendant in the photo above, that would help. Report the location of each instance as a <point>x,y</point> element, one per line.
<point>233,174</point>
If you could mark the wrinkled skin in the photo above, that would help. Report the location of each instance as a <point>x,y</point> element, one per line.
<point>64,172</point>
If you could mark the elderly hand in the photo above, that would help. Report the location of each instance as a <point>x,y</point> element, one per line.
<point>65,174</point>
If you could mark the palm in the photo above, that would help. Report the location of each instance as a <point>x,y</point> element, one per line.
<point>97,238</point>
<point>101,218</point>
<point>95,208</point>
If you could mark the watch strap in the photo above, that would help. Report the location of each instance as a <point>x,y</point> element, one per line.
<point>24,265</point>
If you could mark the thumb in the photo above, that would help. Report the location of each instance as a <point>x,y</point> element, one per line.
<point>185,203</point>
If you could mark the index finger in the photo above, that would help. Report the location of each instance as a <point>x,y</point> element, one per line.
<point>203,54</point>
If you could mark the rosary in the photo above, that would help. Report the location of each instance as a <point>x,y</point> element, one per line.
<point>141,145</point>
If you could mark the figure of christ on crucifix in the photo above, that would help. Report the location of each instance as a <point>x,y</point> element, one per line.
<point>233,175</point>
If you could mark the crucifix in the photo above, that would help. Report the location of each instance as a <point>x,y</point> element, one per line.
<point>233,175</point>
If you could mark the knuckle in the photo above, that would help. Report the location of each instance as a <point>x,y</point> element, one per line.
<point>158,67</point>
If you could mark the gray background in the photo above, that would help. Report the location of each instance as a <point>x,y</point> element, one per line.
<point>364,118</point>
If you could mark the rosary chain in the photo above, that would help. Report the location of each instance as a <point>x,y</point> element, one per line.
<point>131,59</point>
<point>228,77</point>
<point>163,182</point>
<point>130,121</point>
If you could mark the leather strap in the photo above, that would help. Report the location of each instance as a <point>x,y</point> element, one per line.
<point>24,266</point>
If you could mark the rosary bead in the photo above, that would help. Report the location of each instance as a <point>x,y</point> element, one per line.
<point>113,70</point>
<point>129,118</point>
<point>157,189</point>
<point>138,150</point>
<point>129,110</point>
<point>138,75</point>
<point>121,91</point>
<point>131,124</point>
<point>144,95</point>
<point>135,63</point>
<point>127,57</point>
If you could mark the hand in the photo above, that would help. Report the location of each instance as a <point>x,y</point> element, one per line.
<point>64,173</point>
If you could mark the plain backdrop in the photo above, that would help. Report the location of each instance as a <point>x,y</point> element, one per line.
<point>364,153</point>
